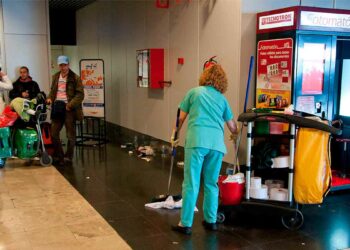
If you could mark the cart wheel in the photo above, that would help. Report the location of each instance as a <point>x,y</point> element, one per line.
<point>45,159</point>
<point>293,221</point>
<point>220,217</point>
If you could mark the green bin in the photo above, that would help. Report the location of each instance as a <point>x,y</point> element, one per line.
<point>26,143</point>
<point>5,145</point>
<point>262,128</point>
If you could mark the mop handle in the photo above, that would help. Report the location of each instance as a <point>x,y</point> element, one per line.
<point>251,64</point>
<point>173,153</point>
<point>176,130</point>
<point>238,142</point>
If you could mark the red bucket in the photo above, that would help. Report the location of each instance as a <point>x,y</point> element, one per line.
<point>230,193</point>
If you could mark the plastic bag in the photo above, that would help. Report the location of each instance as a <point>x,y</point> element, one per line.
<point>312,166</point>
<point>8,117</point>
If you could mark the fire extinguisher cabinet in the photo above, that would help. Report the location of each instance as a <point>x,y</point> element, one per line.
<point>150,68</point>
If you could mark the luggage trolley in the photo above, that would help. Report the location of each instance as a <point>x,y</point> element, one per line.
<point>291,216</point>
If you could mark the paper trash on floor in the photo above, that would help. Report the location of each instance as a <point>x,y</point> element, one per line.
<point>145,151</point>
<point>169,203</point>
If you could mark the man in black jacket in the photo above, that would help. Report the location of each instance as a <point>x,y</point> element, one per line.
<point>24,87</point>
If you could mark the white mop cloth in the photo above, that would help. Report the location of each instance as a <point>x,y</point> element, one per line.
<point>169,203</point>
<point>236,178</point>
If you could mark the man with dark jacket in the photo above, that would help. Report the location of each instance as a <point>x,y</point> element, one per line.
<point>24,87</point>
<point>66,88</point>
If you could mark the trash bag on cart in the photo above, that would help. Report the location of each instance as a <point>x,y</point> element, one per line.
<point>312,166</point>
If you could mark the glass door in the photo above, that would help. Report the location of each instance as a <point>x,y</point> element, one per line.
<point>344,109</point>
<point>311,92</point>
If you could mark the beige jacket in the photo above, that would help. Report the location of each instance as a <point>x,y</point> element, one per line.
<point>5,84</point>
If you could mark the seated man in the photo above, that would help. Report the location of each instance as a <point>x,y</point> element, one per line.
<point>24,87</point>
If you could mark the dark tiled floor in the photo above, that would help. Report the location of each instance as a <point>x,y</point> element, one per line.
<point>118,185</point>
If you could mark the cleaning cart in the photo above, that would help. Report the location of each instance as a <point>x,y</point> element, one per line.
<point>289,208</point>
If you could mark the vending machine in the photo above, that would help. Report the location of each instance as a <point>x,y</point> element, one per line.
<point>303,58</point>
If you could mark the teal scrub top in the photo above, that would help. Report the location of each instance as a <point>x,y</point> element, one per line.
<point>208,110</point>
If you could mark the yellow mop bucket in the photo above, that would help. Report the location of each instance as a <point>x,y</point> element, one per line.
<point>312,166</point>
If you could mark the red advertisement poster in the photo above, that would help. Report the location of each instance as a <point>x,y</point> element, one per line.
<point>274,73</point>
<point>313,68</point>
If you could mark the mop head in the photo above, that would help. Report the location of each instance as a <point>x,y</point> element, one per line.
<point>169,203</point>
<point>163,197</point>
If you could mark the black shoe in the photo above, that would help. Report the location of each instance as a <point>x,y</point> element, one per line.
<point>210,226</point>
<point>183,230</point>
<point>58,162</point>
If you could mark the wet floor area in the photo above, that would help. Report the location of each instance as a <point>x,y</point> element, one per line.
<point>118,185</point>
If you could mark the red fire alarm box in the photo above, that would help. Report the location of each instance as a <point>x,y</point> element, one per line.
<point>150,68</point>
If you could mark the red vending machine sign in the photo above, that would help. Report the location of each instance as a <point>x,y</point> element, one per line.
<point>274,73</point>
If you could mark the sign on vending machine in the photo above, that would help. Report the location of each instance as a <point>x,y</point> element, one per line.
<point>274,69</point>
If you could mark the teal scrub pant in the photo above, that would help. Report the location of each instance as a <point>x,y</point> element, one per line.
<point>197,161</point>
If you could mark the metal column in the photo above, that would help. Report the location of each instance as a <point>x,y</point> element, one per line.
<point>248,157</point>
<point>291,162</point>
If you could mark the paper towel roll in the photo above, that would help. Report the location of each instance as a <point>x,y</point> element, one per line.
<point>280,162</point>
<point>280,183</point>
<point>259,193</point>
<point>279,194</point>
<point>255,182</point>
<point>274,184</point>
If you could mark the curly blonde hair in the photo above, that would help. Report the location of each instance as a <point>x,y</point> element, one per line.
<point>214,76</point>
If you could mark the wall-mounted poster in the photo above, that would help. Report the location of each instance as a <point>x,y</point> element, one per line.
<point>274,73</point>
<point>92,76</point>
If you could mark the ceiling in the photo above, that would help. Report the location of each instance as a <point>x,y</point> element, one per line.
<point>69,4</point>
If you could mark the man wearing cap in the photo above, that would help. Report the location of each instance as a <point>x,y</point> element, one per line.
<point>66,88</point>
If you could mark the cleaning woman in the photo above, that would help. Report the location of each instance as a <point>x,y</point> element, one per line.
<point>208,111</point>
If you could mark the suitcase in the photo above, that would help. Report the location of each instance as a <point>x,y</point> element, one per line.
<point>26,143</point>
<point>5,145</point>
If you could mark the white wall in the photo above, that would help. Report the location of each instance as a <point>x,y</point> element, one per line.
<point>195,30</point>
<point>25,38</point>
